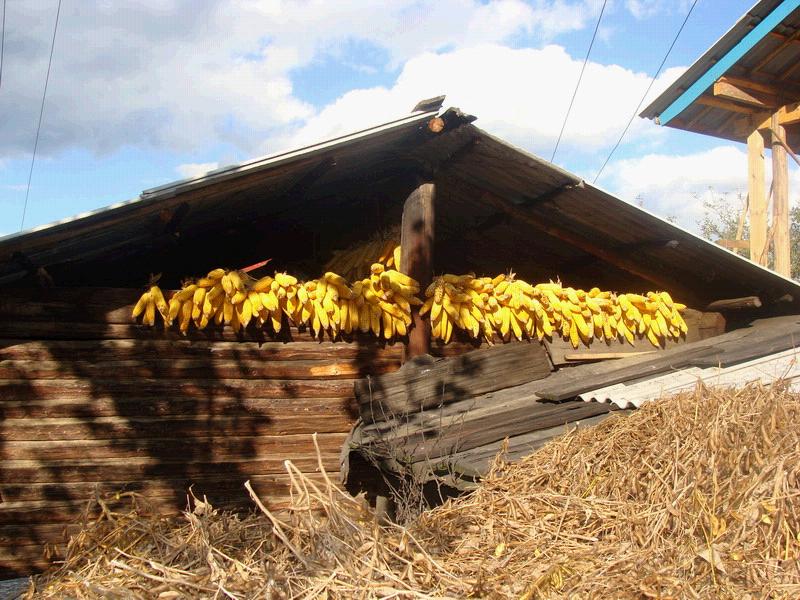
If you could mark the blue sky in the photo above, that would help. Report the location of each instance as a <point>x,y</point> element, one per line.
<point>145,92</point>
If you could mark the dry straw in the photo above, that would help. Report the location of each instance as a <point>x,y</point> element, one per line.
<point>695,496</point>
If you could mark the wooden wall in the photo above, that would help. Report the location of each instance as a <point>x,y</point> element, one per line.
<point>91,402</point>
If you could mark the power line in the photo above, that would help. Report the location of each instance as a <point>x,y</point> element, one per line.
<point>580,77</point>
<point>2,41</point>
<point>41,113</point>
<point>647,91</point>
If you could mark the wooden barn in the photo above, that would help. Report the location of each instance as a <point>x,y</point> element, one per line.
<point>92,403</point>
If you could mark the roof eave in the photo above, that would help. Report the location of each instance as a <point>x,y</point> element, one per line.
<point>736,42</point>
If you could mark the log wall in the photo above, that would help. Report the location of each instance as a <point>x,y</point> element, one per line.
<point>92,403</point>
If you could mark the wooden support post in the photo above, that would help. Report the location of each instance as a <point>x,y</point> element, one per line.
<point>416,240</point>
<point>780,200</point>
<point>757,198</point>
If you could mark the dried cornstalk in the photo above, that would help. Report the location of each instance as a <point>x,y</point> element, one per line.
<point>696,496</point>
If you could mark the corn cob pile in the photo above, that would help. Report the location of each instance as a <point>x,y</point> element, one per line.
<point>483,307</point>
<point>354,263</point>
<point>509,307</point>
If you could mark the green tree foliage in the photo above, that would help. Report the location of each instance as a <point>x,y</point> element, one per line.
<point>721,222</point>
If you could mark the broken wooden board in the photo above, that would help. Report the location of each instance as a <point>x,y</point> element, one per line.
<point>761,338</point>
<point>472,423</point>
<point>425,382</point>
<point>463,470</point>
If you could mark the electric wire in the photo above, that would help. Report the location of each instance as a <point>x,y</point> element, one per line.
<point>2,42</point>
<point>647,91</point>
<point>41,113</point>
<point>580,77</point>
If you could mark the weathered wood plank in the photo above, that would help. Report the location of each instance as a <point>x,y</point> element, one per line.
<point>112,428</point>
<point>470,465</point>
<point>590,356</point>
<point>60,350</point>
<point>475,422</point>
<point>99,305</point>
<point>195,369</point>
<point>701,325</point>
<point>21,561</point>
<point>126,469</point>
<point>560,349</point>
<point>69,389</point>
<point>150,406</point>
<point>735,303</point>
<point>762,337</point>
<point>169,494</point>
<point>425,382</point>
<point>59,511</point>
<point>568,383</point>
<point>209,448</point>
<point>78,330</point>
<point>26,527</point>
<point>60,502</point>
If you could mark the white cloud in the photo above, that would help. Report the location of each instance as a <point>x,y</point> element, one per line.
<point>676,185</point>
<point>519,94</point>
<point>190,170</point>
<point>179,74</point>
<point>642,9</point>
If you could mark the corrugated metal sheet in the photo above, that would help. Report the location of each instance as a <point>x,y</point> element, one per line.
<point>767,369</point>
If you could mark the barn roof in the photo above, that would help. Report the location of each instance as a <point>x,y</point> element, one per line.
<point>497,207</point>
<point>753,69</point>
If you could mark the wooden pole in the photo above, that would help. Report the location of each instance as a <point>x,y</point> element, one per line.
<point>757,198</point>
<point>416,240</point>
<point>780,200</point>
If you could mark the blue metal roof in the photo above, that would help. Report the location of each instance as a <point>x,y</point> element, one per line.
<point>730,58</point>
<point>762,49</point>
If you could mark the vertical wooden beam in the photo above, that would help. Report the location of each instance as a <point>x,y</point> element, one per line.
<point>757,198</point>
<point>416,240</point>
<point>780,200</point>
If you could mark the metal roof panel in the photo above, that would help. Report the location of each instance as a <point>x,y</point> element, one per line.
<point>766,370</point>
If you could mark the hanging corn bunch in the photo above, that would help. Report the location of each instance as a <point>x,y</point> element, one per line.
<point>512,308</point>
<point>482,307</point>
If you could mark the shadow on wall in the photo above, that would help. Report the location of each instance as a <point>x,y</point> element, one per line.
<point>92,403</point>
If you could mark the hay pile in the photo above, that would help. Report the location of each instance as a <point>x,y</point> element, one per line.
<point>697,496</point>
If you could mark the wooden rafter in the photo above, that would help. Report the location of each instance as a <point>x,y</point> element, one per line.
<point>702,114</point>
<point>620,260</point>
<point>731,119</point>
<point>785,38</point>
<point>715,102</point>
<point>767,85</point>
<point>785,42</point>
<point>790,71</point>
<point>786,115</point>
<point>728,90</point>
